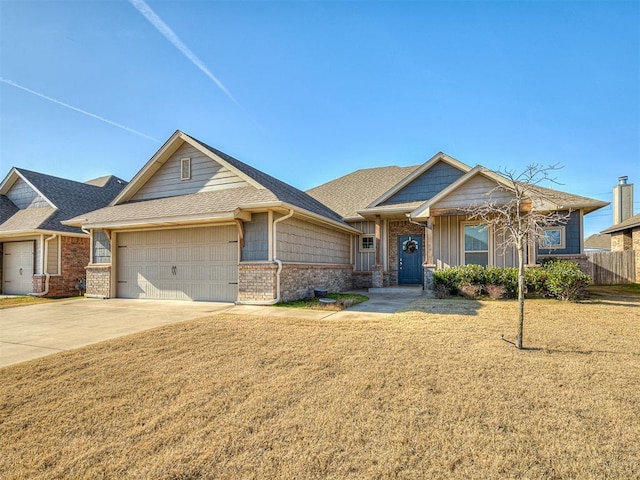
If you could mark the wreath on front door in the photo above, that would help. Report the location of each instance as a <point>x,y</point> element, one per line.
<point>410,246</point>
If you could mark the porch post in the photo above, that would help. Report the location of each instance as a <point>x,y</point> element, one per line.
<point>377,279</point>
<point>429,265</point>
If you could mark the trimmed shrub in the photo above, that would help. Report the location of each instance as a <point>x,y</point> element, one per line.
<point>471,275</point>
<point>565,280</point>
<point>504,277</point>
<point>561,279</point>
<point>535,280</point>
<point>447,280</point>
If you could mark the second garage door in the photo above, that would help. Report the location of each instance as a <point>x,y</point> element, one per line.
<point>184,264</point>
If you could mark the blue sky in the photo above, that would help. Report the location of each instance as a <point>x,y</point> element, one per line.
<point>309,91</point>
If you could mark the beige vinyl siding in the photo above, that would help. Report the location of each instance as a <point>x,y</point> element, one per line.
<point>447,244</point>
<point>23,196</point>
<point>300,241</point>
<point>206,176</point>
<point>503,258</point>
<point>53,256</point>
<point>364,261</point>
<point>446,240</point>
<point>473,192</point>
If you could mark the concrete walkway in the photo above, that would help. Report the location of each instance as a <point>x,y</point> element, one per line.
<point>34,331</point>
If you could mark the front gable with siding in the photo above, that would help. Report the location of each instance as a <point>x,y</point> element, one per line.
<point>265,240</point>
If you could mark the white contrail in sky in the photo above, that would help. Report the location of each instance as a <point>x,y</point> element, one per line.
<point>164,29</point>
<point>76,109</point>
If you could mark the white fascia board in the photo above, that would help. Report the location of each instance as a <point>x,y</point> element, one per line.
<point>155,162</point>
<point>179,220</point>
<point>31,233</point>
<point>422,211</point>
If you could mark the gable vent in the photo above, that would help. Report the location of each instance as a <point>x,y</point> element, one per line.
<point>185,169</point>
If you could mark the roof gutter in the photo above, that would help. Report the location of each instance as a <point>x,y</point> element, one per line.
<point>278,270</point>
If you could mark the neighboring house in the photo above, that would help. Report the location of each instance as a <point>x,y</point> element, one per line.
<point>197,224</point>
<point>40,254</point>
<point>413,220</point>
<point>598,242</point>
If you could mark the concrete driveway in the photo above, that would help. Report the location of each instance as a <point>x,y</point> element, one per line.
<point>34,331</point>
<point>37,330</point>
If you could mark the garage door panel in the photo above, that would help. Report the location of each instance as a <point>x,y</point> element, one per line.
<point>185,264</point>
<point>18,267</point>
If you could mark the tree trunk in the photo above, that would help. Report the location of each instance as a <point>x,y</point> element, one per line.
<point>521,287</point>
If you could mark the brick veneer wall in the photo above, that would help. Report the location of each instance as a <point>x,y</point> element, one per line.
<point>396,228</point>
<point>299,280</point>
<point>257,281</point>
<point>74,257</point>
<point>98,281</point>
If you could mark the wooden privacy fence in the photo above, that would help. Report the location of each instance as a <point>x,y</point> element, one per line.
<point>611,268</point>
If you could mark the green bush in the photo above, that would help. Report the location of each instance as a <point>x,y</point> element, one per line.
<point>535,280</point>
<point>471,275</point>
<point>447,280</point>
<point>561,279</point>
<point>565,280</point>
<point>503,277</point>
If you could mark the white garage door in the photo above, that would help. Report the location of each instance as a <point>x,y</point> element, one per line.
<point>17,268</point>
<point>184,264</point>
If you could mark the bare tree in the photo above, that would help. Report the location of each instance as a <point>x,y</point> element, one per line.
<point>519,215</point>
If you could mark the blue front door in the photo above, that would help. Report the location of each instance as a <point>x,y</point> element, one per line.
<point>410,260</point>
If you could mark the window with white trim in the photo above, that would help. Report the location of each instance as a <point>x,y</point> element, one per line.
<point>368,243</point>
<point>475,244</point>
<point>553,238</point>
<point>185,169</point>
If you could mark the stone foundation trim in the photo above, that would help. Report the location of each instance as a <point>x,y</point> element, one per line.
<point>427,271</point>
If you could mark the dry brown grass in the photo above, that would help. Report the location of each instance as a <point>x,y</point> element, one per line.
<point>8,302</point>
<point>415,395</point>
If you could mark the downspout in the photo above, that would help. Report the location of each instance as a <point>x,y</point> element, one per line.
<point>278,270</point>
<point>44,267</point>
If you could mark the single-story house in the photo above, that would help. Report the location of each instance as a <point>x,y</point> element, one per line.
<point>40,254</point>
<point>414,220</point>
<point>196,223</point>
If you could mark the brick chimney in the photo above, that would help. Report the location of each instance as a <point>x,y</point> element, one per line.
<point>622,200</point>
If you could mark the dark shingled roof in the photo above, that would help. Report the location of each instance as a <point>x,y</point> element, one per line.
<point>7,209</point>
<point>70,197</point>
<point>283,191</point>
<point>356,191</point>
<point>219,201</point>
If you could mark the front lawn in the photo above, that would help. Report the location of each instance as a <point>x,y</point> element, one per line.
<point>342,301</point>
<point>432,392</point>
<point>8,302</point>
